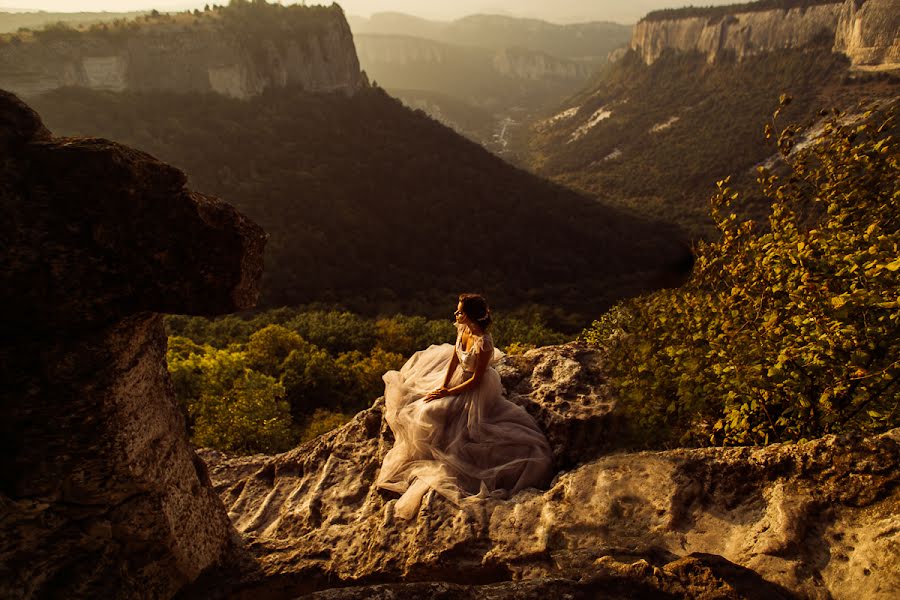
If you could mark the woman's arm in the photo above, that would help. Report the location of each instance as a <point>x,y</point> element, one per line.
<point>481,364</point>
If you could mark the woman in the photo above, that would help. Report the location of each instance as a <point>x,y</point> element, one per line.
<point>455,432</point>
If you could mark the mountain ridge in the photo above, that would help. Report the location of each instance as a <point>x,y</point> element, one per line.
<point>237,51</point>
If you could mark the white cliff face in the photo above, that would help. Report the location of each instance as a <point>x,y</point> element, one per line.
<point>395,50</point>
<point>870,34</point>
<point>524,64</point>
<point>399,50</point>
<point>867,34</point>
<point>197,60</point>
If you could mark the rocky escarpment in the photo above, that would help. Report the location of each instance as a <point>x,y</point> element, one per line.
<point>101,493</point>
<point>235,55</point>
<point>815,520</point>
<point>867,32</point>
<point>525,64</point>
<point>382,52</point>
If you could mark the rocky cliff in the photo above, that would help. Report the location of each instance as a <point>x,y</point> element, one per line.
<point>379,53</point>
<point>867,32</point>
<point>813,520</point>
<point>101,493</point>
<point>231,54</point>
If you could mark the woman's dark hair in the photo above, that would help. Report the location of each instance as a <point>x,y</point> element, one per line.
<point>476,308</point>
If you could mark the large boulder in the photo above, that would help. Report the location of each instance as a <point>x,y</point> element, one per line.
<point>816,520</point>
<point>101,493</point>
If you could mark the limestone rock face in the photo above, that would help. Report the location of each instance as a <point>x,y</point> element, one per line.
<point>381,53</point>
<point>817,520</point>
<point>870,34</point>
<point>204,58</point>
<point>867,34</point>
<point>526,64</point>
<point>101,493</point>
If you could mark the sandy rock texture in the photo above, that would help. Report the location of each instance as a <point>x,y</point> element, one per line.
<point>866,32</point>
<point>813,520</point>
<point>233,61</point>
<point>101,494</point>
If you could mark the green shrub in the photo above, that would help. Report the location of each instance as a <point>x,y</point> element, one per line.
<point>781,335</point>
<point>252,416</point>
<point>323,421</point>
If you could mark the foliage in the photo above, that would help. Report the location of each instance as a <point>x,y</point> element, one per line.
<point>380,228</point>
<point>679,125</point>
<point>251,416</point>
<point>780,335</point>
<point>322,421</point>
<point>229,405</point>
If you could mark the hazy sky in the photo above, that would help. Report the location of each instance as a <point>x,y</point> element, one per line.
<point>623,11</point>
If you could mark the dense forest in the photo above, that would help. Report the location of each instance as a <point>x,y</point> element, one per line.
<point>381,209</point>
<point>281,377</point>
<point>663,134</point>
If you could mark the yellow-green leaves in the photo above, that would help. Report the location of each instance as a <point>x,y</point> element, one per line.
<point>784,335</point>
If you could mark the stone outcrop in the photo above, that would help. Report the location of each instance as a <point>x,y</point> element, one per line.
<point>233,59</point>
<point>101,494</point>
<point>867,32</point>
<point>814,520</point>
<point>870,34</point>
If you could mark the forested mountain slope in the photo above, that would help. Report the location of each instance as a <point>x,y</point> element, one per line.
<point>687,105</point>
<point>379,208</point>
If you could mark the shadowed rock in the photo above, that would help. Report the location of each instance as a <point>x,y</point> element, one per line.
<point>101,493</point>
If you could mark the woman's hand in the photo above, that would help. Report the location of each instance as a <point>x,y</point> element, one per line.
<point>441,392</point>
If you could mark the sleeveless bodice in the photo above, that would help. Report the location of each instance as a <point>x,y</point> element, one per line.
<point>482,343</point>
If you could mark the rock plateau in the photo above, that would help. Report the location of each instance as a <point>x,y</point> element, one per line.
<point>813,520</point>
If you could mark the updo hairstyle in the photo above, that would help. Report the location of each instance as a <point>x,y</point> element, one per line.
<point>476,308</point>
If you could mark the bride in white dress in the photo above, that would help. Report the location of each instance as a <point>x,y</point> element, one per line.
<point>454,431</point>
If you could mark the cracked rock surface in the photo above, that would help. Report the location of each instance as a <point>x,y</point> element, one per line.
<point>101,494</point>
<point>813,520</point>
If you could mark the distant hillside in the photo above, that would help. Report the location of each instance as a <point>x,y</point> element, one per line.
<point>379,208</point>
<point>588,42</point>
<point>506,66</point>
<point>467,78</point>
<point>655,138</point>
<point>475,122</point>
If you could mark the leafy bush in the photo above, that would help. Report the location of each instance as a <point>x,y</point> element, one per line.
<point>322,421</point>
<point>782,335</point>
<point>229,405</point>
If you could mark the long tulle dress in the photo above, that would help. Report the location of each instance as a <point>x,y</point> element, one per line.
<point>477,443</point>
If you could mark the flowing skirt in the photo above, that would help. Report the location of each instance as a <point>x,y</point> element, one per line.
<point>475,444</point>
